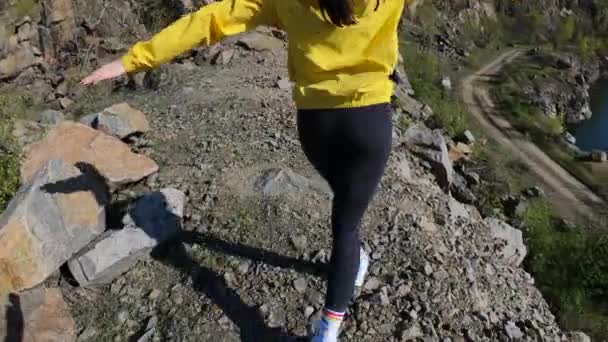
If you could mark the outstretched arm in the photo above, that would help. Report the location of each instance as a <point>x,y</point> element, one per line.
<point>207,26</point>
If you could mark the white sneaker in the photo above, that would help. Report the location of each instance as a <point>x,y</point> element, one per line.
<point>363,266</point>
<point>324,333</point>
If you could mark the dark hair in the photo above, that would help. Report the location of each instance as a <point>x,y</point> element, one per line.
<point>340,12</point>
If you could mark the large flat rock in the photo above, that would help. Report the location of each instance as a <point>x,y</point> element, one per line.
<point>120,120</point>
<point>512,250</point>
<point>431,146</point>
<point>51,218</point>
<point>76,143</point>
<point>154,219</point>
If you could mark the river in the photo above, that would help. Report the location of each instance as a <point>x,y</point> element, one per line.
<point>593,133</point>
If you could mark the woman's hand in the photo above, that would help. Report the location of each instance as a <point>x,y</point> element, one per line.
<point>106,72</point>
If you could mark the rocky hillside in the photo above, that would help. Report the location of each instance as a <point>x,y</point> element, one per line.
<point>185,210</point>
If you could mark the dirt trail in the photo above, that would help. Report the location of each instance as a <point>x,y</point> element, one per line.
<point>571,197</point>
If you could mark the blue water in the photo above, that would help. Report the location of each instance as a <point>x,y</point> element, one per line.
<point>593,133</point>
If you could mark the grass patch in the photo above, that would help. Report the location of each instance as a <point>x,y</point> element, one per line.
<point>502,173</point>
<point>12,106</point>
<point>427,17</point>
<point>425,71</point>
<point>24,7</point>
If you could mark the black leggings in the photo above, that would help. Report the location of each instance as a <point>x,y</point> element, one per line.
<point>350,148</point>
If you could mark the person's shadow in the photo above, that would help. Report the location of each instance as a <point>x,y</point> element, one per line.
<point>14,320</point>
<point>173,253</point>
<point>249,319</point>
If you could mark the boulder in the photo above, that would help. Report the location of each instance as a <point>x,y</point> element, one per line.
<point>460,191</point>
<point>26,78</point>
<point>25,30</point>
<point>27,132</point>
<point>431,146</point>
<point>76,143</point>
<point>120,120</point>
<point>512,250</point>
<point>65,103</point>
<point>513,331</point>
<point>459,151</point>
<point>209,53</point>
<point>535,192</point>
<point>412,333</point>
<point>514,206</point>
<point>37,315</point>
<point>41,91</point>
<point>473,178</point>
<point>259,42</point>
<point>53,216</point>
<point>62,89</point>
<point>223,57</point>
<point>154,219</point>
<point>14,64</point>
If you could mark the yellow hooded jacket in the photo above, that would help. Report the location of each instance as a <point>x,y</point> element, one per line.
<point>332,67</point>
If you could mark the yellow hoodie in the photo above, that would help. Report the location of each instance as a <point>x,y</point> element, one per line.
<point>332,67</point>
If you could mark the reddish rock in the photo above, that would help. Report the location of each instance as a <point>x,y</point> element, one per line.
<point>76,143</point>
<point>39,315</point>
<point>50,219</point>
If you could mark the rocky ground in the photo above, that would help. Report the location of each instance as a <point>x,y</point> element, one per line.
<point>248,220</point>
<point>250,262</point>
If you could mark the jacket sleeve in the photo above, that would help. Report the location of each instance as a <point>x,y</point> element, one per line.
<point>207,26</point>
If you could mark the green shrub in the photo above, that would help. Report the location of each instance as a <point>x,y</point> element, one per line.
<point>570,267</point>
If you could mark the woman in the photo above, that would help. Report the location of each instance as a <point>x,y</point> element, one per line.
<point>341,56</point>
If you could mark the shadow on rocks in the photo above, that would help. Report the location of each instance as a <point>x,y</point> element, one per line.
<point>206,281</point>
<point>14,320</point>
<point>99,188</point>
<point>255,254</point>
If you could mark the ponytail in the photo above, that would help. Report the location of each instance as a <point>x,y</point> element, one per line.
<point>340,12</point>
